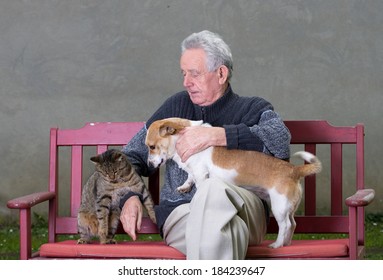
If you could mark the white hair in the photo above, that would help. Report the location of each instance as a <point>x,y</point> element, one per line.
<point>217,51</point>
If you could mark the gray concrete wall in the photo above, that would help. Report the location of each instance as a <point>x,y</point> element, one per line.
<point>64,63</point>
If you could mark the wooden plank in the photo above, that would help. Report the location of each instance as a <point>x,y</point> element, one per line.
<point>336,179</point>
<point>316,224</point>
<point>319,131</point>
<point>53,184</point>
<point>68,225</point>
<point>100,134</point>
<point>76,179</point>
<point>310,187</point>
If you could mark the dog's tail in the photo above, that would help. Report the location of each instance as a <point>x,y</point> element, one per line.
<point>314,165</point>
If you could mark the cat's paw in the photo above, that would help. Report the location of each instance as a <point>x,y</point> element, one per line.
<point>109,241</point>
<point>82,241</point>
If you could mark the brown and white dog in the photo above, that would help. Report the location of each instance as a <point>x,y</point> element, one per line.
<point>280,178</point>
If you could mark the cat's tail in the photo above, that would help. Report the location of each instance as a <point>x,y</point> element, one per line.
<point>149,205</point>
<point>87,224</point>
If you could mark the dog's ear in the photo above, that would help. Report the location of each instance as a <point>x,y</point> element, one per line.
<point>172,126</point>
<point>167,130</point>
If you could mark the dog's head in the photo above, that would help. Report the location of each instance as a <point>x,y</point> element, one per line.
<point>162,136</point>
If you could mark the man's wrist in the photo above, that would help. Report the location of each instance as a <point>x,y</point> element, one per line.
<point>218,137</point>
<point>129,195</point>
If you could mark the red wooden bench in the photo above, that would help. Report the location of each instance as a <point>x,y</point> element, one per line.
<point>346,217</point>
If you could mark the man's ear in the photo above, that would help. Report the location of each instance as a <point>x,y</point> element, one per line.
<point>223,73</point>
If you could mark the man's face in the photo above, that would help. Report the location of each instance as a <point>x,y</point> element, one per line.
<point>204,87</point>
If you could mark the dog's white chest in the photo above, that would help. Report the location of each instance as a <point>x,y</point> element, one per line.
<point>201,166</point>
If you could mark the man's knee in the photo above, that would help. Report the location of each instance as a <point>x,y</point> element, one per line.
<point>211,182</point>
<point>218,192</point>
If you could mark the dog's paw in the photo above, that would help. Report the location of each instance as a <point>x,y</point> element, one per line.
<point>185,188</point>
<point>275,245</point>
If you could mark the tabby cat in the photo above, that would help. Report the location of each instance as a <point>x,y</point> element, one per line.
<point>99,211</point>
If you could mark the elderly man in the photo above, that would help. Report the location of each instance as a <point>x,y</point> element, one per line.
<point>219,220</point>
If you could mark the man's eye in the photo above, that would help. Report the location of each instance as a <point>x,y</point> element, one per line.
<point>194,74</point>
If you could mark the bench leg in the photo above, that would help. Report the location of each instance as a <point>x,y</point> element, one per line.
<point>353,236</point>
<point>25,234</point>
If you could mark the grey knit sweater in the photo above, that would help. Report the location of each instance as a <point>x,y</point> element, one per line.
<point>250,124</point>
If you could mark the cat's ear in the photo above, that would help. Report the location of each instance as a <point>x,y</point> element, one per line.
<point>96,159</point>
<point>118,156</point>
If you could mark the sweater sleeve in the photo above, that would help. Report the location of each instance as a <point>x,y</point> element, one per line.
<point>264,132</point>
<point>137,153</point>
<point>275,136</point>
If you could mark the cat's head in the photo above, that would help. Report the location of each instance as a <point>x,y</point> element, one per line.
<point>112,164</point>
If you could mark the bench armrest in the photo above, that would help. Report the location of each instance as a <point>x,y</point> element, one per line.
<point>361,198</point>
<point>24,204</point>
<point>356,204</point>
<point>27,201</point>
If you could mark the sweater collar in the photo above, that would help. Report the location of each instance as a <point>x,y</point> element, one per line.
<point>212,112</point>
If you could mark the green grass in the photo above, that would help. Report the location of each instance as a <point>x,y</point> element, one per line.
<point>9,237</point>
<point>374,237</point>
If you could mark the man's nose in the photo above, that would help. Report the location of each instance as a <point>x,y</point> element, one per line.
<point>187,81</point>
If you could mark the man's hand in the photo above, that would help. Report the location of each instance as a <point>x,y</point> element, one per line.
<point>131,216</point>
<point>195,139</point>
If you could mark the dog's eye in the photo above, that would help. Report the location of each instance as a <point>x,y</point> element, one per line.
<point>152,147</point>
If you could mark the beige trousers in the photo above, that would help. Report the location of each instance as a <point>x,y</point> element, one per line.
<point>219,223</point>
